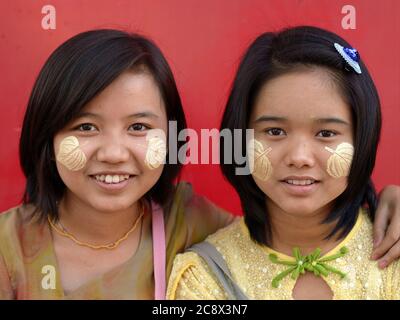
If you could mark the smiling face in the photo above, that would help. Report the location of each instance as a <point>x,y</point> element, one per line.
<point>111,131</point>
<point>297,115</point>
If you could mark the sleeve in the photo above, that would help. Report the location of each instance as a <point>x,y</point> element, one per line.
<point>191,279</point>
<point>6,291</point>
<point>204,218</point>
<point>393,281</point>
<point>191,219</point>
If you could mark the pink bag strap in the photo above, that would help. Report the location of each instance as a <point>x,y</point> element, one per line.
<point>158,251</point>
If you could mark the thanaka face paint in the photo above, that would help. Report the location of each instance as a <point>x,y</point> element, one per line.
<point>70,154</point>
<point>339,163</point>
<point>156,149</point>
<point>259,163</point>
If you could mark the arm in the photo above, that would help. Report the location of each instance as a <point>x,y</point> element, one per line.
<point>191,279</point>
<point>387,227</point>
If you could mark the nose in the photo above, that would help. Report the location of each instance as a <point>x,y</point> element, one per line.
<point>300,154</point>
<point>112,150</point>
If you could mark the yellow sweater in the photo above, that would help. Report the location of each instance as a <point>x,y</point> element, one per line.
<point>253,271</point>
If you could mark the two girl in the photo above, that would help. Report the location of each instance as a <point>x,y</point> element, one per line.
<point>102,218</point>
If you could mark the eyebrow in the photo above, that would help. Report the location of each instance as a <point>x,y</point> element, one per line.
<point>146,114</point>
<point>332,120</point>
<point>319,120</point>
<point>271,118</point>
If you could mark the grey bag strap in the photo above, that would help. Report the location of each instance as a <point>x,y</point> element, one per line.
<point>218,265</point>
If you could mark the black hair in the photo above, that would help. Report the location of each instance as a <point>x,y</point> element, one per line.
<point>274,54</point>
<point>77,71</point>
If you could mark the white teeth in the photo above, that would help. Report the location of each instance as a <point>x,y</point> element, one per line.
<point>300,182</point>
<point>112,178</point>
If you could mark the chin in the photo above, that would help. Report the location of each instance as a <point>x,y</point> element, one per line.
<point>299,211</point>
<point>300,208</point>
<point>111,206</point>
<point>304,208</point>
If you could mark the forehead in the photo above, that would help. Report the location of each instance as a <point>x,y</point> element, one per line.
<point>131,92</point>
<point>302,95</point>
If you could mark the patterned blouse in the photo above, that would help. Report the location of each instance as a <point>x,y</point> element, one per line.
<point>27,254</point>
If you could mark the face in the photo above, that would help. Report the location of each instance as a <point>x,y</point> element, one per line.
<point>298,117</point>
<point>111,131</point>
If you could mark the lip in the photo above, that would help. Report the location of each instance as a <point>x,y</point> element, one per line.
<point>113,186</point>
<point>112,173</point>
<point>299,190</point>
<point>299,178</point>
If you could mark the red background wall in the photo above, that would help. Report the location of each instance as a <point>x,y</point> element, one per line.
<point>203,41</point>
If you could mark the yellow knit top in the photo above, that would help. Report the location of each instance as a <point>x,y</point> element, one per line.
<point>253,271</point>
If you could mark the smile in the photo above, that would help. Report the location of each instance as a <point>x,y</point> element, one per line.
<point>113,182</point>
<point>300,185</point>
<point>110,179</point>
<point>300,182</point>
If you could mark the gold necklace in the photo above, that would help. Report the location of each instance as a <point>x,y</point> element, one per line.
<point>109,246</point>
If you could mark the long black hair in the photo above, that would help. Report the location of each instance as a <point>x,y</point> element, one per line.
<point>77,71</point>
<point>274,54</point>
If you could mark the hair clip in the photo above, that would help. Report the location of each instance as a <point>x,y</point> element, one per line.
<point>350,55</point>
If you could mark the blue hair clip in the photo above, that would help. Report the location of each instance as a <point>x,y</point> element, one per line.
<point>350,55</point>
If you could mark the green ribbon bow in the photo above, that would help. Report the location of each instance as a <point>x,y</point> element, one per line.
<point>312,263</point>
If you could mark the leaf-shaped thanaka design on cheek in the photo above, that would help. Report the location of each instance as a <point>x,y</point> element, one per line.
<point>70,155</point>
<point>260,166</point>
<point>338,164</point>
<point>156,152</point>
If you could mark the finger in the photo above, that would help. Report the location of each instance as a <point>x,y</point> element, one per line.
<point>390,256</point>
<point>381,222</point>
<point>391,237</point>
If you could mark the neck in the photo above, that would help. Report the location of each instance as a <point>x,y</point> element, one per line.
<point>94,226</point>
<point>305,232</point>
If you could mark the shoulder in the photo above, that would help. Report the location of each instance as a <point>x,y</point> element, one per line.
<point>192,278</point>
<point>194,215</point>
<point>194,204</point>
<point>230,237</point>
<point>12,220</point>
<point>20,233</point>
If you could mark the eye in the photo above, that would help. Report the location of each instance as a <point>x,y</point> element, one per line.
<point>86,127</point>
<point>138,127</point>
<point>275,132</point>
<point>326,134</point>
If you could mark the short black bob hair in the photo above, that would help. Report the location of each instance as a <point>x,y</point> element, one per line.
<point>274,54</point>
<point>74,74</point>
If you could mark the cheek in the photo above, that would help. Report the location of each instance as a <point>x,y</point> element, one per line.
<point>267,187</point>
<point>149,177</point>
<point>70,154</point>
<point>335,165</point>
<point>259,160</point>
<point>72,179</point>
<point>138,150</point>
<point>155,153</point>
<point>152,175</point>
<point>264,167</point>
<point>334,187</point>
<point>339,162</point>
